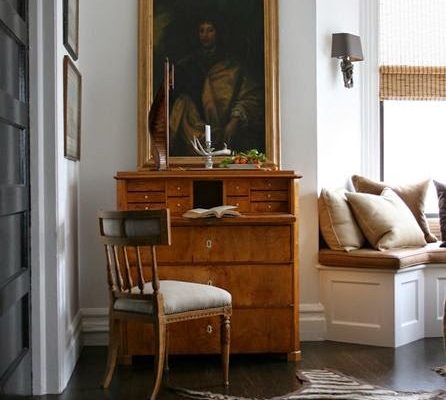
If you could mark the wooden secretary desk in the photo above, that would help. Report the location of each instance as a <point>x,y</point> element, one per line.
<point>254,256</point>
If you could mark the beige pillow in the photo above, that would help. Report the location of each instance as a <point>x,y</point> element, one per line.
<point>385,220</point>
<point>337,223</point>
<point>412,195</point>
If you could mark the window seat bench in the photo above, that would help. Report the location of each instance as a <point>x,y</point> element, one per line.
<point>383,298</point>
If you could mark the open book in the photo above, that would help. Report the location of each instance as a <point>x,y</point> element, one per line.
<point>220,211</point>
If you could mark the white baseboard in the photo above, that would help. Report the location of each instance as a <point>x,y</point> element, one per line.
<point>312,322</point>
<point>73,345</point>
<point>95,324</point>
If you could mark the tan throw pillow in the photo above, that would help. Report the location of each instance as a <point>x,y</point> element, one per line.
<point>337,223</point>
<point>385,220</point>
<point>412,195</point>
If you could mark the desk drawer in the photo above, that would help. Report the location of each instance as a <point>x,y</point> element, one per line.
<point>146,206</point>
<point>242,203</point>
<point>263,285</point>
<point>252,331</point>
<point>242,244</point>
<point>179,205</point>
<point>179,188</point>
<point>269,195</point>
<point>144,185</point>
<point>269,184</point>
<point>269,206</point>
<point>146,197</point>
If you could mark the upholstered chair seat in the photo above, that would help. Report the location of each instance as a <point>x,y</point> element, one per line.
<point>178,297</point>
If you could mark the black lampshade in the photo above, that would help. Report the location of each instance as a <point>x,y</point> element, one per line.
<point>346,45</point>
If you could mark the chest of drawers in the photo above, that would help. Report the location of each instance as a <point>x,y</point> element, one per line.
<point>254,256</point>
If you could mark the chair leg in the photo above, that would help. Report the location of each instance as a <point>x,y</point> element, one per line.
<point>113,346</point>
<point>160,348</point>
<point>225,336</point>
<point>166,354</point>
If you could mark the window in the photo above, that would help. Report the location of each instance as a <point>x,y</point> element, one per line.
<point>413,92</point>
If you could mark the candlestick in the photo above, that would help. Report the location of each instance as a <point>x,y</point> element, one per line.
<point>207,133</point>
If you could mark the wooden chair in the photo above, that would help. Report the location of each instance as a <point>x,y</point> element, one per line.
<point>127,235</point>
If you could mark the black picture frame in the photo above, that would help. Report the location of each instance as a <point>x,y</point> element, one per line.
<point>71,27</point>
<point>72,110</point>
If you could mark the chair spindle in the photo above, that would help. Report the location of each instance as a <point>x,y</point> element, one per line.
<point>118,269</point>
<point>127,269</point>
<point>140,271</point>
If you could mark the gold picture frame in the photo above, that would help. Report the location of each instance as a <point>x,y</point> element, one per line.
<point>271,110</point>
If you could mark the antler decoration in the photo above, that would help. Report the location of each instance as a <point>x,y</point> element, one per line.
<point>208,151</point>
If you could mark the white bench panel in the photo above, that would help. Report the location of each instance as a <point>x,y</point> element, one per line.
<point>383,307</point>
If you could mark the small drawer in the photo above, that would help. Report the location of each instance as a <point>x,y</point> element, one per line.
<point>179,188</point>
<point>266,207</point>
<point>241,202</point>
<point>146,206</point>
<point>269,184</point>
<point>274,195</point>
<point>146,197</point>
<point>145,185</point>
<point>237,187</point>
<point>179,205</point>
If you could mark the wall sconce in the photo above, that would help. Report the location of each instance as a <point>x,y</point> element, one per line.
<point>346,47</point>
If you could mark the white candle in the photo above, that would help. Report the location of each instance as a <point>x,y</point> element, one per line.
<point>207,133</point>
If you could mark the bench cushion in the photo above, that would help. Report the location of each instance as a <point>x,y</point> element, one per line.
<point>392,259</point>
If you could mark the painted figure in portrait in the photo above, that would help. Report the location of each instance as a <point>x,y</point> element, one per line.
<point>218,52</point>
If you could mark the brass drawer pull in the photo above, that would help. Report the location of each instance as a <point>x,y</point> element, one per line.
<point>209,243</point>
<point>209,329</point>
<point>210,283</point>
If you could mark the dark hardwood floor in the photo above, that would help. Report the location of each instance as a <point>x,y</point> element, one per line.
<point>406,368</point>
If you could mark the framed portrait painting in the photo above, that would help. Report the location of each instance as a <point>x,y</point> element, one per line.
<point>225,59</point>
<point>72,110</point>
<point>71,27</point>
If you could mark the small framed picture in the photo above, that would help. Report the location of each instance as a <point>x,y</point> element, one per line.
<point>72,110</point>
<point>71,27</point>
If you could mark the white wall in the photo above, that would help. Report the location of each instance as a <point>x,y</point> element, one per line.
<point>108,62</point>
<point>309,79</point>
<point>298,69</point>
<point>338,108</point>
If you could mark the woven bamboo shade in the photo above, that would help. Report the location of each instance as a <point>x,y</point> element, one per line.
<point>405,82</point>
<point>412,50</point>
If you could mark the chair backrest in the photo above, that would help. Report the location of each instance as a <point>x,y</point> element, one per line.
<point>125,234</point>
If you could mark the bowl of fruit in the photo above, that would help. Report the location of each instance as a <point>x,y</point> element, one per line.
<point>250,159</point>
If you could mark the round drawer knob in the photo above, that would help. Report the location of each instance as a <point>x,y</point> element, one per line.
<point>178,205</point>
<point>237,187</point>
<point>178,187</point>
<point>146,197</point>
<point>146,208</point>
<point>269,206</point>
<point>269,184</point>
<point>269,196</point>
<point>237,204</point>
<point>209,329</point>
